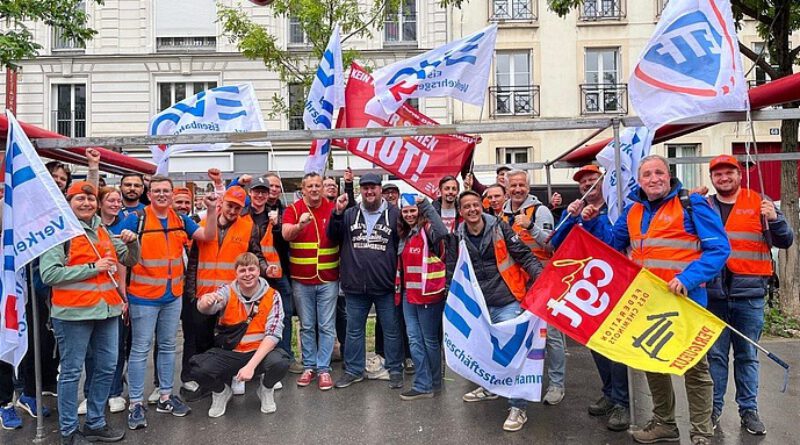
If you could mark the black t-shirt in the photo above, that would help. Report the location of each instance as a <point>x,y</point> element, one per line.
<point>475,239</point>
<point>724,210</point>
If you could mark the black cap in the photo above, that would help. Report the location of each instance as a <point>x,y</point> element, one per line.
<point>390,186</point>
<point>503,168</point>
<point>260,182</point>
<point>370,179</point>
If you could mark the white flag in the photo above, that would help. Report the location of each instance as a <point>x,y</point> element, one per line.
<point>459,69</point>
<point>505,358</point>
<point>634,144</point>
<point>691,66</point>
<point>225,109</point>
<point>324,97</point>
<point>36,217</point>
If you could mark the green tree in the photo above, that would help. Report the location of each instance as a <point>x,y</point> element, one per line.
<point>16,40</point>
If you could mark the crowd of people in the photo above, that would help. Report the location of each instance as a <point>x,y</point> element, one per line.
<point>232,268</point>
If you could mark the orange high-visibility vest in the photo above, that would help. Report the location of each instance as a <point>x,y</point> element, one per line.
<point>270,254</point>
<point>236,313</point>
<point>312,256</point>
<point>750,254</point>
<point>215,262</point>
<point>89,292</point>
<point>161,259</point>
<point>423,273</point>
<point>513,274</point>
<point>666,249</point>
<point>537,249</point>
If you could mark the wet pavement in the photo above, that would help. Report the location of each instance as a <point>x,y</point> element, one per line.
<point>371,413</point>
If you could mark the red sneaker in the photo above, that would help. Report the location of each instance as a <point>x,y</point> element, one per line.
<point>325,381</point>
<point>306,378</point>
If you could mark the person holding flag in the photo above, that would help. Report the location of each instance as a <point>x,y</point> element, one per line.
<point>680,239</point>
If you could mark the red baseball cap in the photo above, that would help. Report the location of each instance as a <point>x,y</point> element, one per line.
<point>235,195</point>
<point>591,168</point>
<point>724,160</point>
<point>81,187</point>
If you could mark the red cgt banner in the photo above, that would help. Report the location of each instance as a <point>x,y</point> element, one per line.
<point>421,161</point>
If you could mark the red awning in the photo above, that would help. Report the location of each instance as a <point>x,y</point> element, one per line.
<point>110,161</point>
<point>776,92</point>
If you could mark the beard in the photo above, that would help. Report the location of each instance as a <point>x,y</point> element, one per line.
<point>371,206</point>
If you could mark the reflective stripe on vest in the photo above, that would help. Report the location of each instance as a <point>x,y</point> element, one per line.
<point>235,313</point>
<point>422,271</point>
<point>750,254</point>
<point>91,291</point>
<point>311,255</point>
<point>161,259</point>
<point>217,261</point>
<point>540,252</point>
<point>513,274</point>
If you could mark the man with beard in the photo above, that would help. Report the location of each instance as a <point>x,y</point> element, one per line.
<point>182,203</point>
<point>368,238</point>
<point>132,187</point>
<point>445,206</point>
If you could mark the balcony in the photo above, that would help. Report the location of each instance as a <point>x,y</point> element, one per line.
<point>602,10</point>
<point>69,123</point>
<point>64,44</point>
<point>604,98</point>
<point>186,44</point>
<point>512,11</point>
<point>514,101</point>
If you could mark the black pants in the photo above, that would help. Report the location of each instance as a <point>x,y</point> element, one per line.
<point>379,334</point>
<point>198,334</point>
<point>47,350</point>
<point>216,367</point>
<point>6,383</point>
<point>341,322</point>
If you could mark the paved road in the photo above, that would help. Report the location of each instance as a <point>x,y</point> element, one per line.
<point>371,413</point>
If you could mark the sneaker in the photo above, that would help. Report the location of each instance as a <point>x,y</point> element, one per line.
<point>380,374</point>
<point>753,424</point>
<point>396,380</point>
<point>103,434</point>
<point>620,419</point>
<point>154,396</point>
<point>296,367</point>
<point>413,394</point>
<point>50,391</point>
<point>83,407</point>
<point>306,378</point>
<point>278,385</point>
<point>267,397</point>
<point>219,401</point>
<point>136,417</point>
<point>409,367</point>
<point>554,395</point>
<point>29,405</point>
<point>73,439</point>
<point>479,395</point>
<point>237,386</point>
<point>116,404</point>
<point>656,431</point>
<point>348,379</point>
<point>515,420</point>
<point>602,407</point>
<point>325,381</point>
<point>173,405</point>
<point>701,440</point>
<point>191,386</point>
<point>714,421</point>
<point>9,418</point>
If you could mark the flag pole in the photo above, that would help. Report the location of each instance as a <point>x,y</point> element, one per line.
<point>772,356</point>
<point>37,359</point>
<point>561,223</point>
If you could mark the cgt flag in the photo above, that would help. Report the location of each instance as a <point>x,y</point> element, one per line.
<point>506,358</point>
<point>35,218</point>
<point>603,300</point>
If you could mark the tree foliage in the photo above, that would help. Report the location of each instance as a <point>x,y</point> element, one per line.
<point>17,40</point>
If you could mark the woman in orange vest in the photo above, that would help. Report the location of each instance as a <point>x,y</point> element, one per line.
<point>421,288</point>
<point>86,306</point>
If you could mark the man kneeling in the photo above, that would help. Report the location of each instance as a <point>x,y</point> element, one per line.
<point>249,327</point>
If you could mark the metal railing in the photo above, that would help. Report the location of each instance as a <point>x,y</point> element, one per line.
<point>513,10</point>
<point>514,101</point>
<point>208,43</point>
<point>605,98</point>
<point>69,123</point>
<point>597,10</point>
<point>63,43</point>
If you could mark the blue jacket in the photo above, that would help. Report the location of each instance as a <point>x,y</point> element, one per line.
<point>566,226</point>
<point>730,285</point>
<point>703,222</point>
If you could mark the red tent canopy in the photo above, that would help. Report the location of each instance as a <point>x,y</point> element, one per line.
<point>110,161</point>
<point>783,90</point>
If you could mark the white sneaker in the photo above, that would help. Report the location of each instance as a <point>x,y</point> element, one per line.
<point>191,386</point>
<point>82,408</point>
<point>267,397</point>
<point>154,396</point>
<point>116,404</point>
<point>237,386</point>
<point>515,420</point>
<point>554,395</point>
<point>219,402</point>
<point>278,386</point>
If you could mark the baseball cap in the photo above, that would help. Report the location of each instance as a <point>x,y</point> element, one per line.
<point>724,160</point>
<point>81,187</point>
<point>182,191</point>
<point>235,195</point>
<point>503,168</point>
<point>390,186</point>
<point>591,168</point>
<point>370,179</point>
<point>260,182</point>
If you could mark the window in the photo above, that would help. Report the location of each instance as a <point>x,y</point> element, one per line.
<point>170,93</point>
<point>602,10</point>
<point>513,92</point>
<point>688,174</point>
<point>503,10</point>
<point>401,26</point>
<point>297,35</point>
<point>185,25</point>
<point>62,43</point>
<point>602,93</point>
<point>510,156</point>
<point>660,5</point>
<point>760,77</point>
<point>69,110</point>
<point>297,98</point>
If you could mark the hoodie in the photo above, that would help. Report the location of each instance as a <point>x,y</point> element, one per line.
<point>542,219</point>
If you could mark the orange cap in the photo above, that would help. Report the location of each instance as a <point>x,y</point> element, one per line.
<point>591,168</point>
<point>235,195</point>
<point>182,191</point>
<point>81,187</point>
<point>724,160</point>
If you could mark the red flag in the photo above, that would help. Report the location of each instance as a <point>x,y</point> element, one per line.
<point>421,161</point>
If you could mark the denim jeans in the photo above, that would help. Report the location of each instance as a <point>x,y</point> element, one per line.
<point>358,306</point>
<point>746,316</point>
<point>614,376</point>
<point>284,287</point>
<point>556,357</point>
<point>422,324</point>
<point>317,323</point>
<point>502,313</point>
<point>116,384</point>
<point>147,321</point>
<point>74,339</point>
